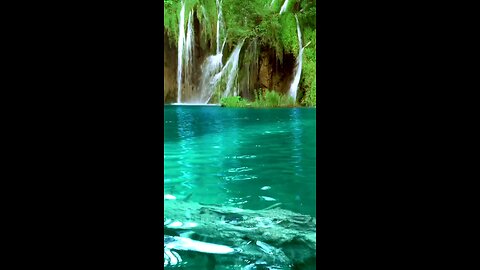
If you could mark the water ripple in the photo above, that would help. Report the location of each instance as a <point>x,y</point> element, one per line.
<point>225,156</point>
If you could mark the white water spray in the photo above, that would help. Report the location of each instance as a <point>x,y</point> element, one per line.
<point>189,41</point>
<point>181,41</point>
<point>185,52</point>
<point>189,45</point>
<point>219,26</point>
<point>230,70</point>
<point>284,6</point>
<point>212,67</point>
<point>213,70</point>
<point>298,67</point>
<point>233,71</point>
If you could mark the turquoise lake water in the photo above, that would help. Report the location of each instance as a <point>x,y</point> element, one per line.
<point>247,158</point>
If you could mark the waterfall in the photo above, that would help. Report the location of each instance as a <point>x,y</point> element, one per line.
<point>212,67</point>
<point>230,71</point>
<point>284,6</point>
<point>298,67</point>
<point>188,56</point>
<point>219,22</point>
<point>181,41</point>
<point>233,71</point>
<point>186,44</point>
<point>220,27</point>
<point>213,70</point>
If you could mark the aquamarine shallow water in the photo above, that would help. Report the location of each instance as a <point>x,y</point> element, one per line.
<point>226,155</point>
<point>248,158</point>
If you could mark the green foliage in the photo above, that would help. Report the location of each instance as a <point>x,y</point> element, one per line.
<point>310,99</point>
<point>269,31</point>
<point>263,99</point>
<point>207,16</point>
<point>246,19</point>
<point>277,4</point>
<point>171,13</point>
<point>271,99</point>
<point>309,73</point>
<point>288,34</point>
<point>308,14</point>
<point>205,11</point>
<point>240,18</point>
<point>233,102</point>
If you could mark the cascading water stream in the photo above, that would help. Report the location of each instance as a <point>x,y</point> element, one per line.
<point>181,41</point>
<point>188,56</point>
<point>284,6</point>
<point>298,68</point>
<point>212,67</point>
<point>219,24</point>
<point>230,71</point>
<point>213,70</point>
<point>233,72</point>
<point>185,53</point>
<point>214,73</point>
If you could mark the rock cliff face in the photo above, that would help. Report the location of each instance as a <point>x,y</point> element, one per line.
<point>267,72</point>
<point>274,75</point>
<point>169,70</point>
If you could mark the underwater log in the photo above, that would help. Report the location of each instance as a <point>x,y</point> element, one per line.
<point>293,233</point>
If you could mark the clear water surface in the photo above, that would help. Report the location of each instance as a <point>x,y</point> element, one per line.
<point>248,158</point>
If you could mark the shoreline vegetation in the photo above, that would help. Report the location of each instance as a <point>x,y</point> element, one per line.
<point>267,99</point>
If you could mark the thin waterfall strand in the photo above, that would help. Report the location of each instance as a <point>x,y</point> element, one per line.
<point>298,68</point>
<point>181,41</point>
<point>219,25</point>
<point>188,56</point>
<point>233,74</point>
<point>284,6</point>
